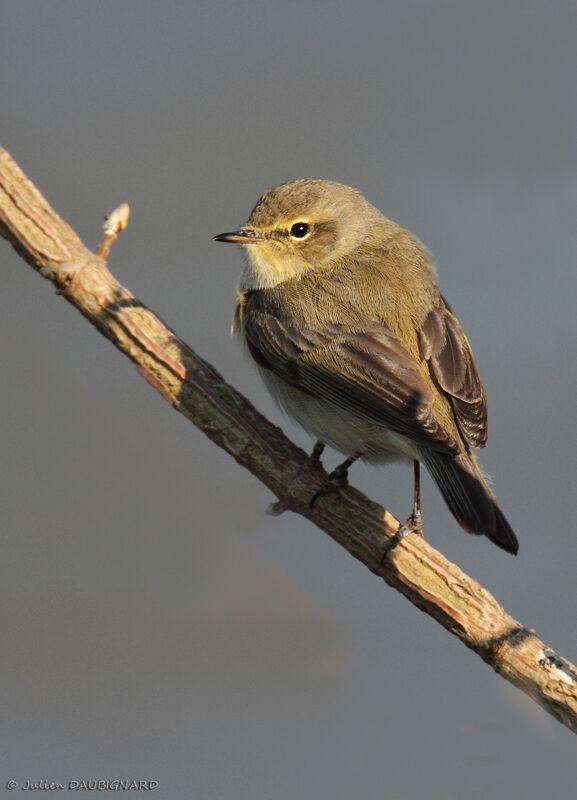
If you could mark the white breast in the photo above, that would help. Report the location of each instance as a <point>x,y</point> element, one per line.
<point>338,428</point>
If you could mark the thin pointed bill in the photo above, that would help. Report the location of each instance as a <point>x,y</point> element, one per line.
<point>242,236</point>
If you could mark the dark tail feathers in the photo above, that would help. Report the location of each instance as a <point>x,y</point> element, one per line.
<point>469,498</point>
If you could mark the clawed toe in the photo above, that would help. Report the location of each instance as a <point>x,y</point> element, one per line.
<point>336,480</point>
<point>412,525</point>
<point>332,486</point>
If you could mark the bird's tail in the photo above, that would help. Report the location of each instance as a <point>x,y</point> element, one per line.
<point>469,498</point>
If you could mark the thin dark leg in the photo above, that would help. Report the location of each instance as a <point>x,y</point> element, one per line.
<point>336,480</point>
<point>416,519</point>
<point>414,524</point>
<point>317,451</point>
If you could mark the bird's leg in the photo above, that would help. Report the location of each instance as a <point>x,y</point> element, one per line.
<point>317,452</point>
<point>278,508</point>
<point>414,523</point>
<point>338,477</point>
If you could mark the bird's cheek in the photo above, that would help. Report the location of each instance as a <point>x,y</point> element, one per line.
<point>266,267</point>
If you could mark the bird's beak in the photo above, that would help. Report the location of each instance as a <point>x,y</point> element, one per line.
<point>242,236</point>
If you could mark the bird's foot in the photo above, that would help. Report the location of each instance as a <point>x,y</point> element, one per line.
<point>414,524</point>
<point>336,480</point>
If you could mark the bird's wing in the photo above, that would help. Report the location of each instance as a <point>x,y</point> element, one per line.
<point>367,373</point>
<point>445,347</point>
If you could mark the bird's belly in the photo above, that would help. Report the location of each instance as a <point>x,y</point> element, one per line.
<point>338,428</point>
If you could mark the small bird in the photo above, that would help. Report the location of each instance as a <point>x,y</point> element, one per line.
<point>339,308</point>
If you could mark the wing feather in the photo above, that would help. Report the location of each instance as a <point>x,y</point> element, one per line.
<point>446,348</point>
<point>367,373</point>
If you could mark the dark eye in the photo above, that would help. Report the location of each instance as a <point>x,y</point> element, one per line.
<point>300,229</point>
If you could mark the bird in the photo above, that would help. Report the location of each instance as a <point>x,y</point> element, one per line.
<point>339,308</point>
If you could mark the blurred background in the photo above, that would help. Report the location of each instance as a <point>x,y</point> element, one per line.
<point>154,622</point>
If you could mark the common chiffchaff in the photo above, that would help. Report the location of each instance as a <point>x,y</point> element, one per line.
<point>339,308</point>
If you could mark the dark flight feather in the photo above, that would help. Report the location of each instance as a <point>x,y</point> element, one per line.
<point>446,348</point>
<point>328,362</point>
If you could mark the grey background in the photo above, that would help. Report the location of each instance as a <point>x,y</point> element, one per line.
<point>154,622</point>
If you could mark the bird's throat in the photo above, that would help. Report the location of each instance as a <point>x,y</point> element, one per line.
<point>266,267</point>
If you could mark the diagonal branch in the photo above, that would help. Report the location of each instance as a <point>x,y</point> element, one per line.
<point>199,392</point>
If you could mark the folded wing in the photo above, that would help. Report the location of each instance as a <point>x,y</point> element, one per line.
<point>446,348</point>
<point>367,373</point>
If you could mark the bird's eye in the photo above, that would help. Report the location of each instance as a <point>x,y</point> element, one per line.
<point>300,229</point>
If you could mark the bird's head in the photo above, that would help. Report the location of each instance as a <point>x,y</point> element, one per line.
<point>300,226</point>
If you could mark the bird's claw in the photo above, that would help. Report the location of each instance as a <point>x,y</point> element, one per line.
<point>334,483</point>
<point>414,524</point>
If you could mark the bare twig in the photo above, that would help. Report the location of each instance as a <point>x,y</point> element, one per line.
<point>113,224</point>
<point>197,390</point>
